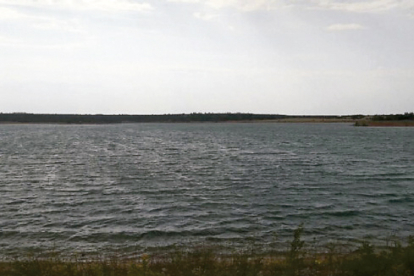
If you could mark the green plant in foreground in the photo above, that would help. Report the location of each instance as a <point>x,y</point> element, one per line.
<point>295,256</point>
<point>394,260</point>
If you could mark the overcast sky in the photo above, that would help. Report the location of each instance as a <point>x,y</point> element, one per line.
<point>180,56</point>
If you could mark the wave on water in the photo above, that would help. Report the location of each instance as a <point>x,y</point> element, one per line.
<point>148,185</point>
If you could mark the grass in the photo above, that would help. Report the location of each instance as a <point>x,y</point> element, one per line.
<point>299,260</point>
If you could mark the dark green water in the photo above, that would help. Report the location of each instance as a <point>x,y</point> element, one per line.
<point>129,186</point>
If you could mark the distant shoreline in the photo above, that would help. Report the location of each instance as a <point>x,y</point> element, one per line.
<point>398,120</point>
<point>28,118</point>
<point>369,123</point>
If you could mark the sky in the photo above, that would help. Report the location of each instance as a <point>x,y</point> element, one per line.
<point>295,57</point>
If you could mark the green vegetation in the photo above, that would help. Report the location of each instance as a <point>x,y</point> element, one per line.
<point>114,119</point>
<point>192,117</point>
<point>406,119</point>
<point>394,259</point>
<point>394,117</point>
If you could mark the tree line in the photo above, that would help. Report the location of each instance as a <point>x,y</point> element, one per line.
<point>122,118</point>
<point>394,117</point>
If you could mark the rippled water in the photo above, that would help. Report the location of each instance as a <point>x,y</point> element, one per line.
<point>110,187</point>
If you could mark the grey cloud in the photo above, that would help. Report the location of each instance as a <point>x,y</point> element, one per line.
<point>101,5</point>
<point>345,27</point>
<point>371,6</point>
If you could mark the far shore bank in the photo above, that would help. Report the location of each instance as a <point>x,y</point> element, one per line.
<point>397,120</point>
<point>276,121</point>
<point>370,123</point>
<point>359,123</point>
<point>28,118</point>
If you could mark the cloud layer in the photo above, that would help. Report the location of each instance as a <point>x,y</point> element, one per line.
<point>173,56</point>
<point>360,6</point>
<point>100,5</point>
<point>345,27</point>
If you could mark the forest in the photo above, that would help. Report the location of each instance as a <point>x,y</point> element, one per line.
<point>122,118</point>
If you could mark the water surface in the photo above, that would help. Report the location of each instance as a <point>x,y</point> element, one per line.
<point>119,187</point>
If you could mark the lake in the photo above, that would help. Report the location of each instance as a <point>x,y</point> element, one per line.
<point>139,186</point>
